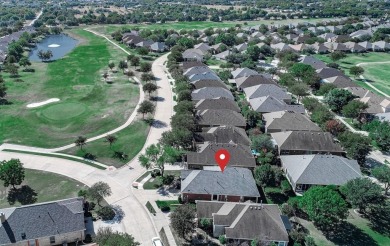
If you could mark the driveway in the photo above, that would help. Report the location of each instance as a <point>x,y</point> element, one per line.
<point>137,220</point>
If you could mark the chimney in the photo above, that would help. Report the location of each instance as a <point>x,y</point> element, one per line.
<point>2,217</point>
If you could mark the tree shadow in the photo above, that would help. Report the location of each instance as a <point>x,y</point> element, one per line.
<point>349,235</point>
<point>120,155</point>
<point>157,99</point>
<point>24,195</point>
<point>158,124</point>
<point>90,156</point>
<point>5,102</point>
<point>379,218</point>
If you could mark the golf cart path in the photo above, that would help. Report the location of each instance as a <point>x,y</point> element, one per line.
<point>368,83</point>
<point>136,219</point>
<point>126,124</point>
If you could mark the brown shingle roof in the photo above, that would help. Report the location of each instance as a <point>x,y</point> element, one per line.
<point>217,103</point>
<point>215,117</point>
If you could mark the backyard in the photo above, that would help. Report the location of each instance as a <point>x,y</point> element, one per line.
<point>86,105</point>
<point>376,74</point>
<point>38,187</point>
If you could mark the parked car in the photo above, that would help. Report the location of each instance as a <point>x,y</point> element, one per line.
<point>156,241</point>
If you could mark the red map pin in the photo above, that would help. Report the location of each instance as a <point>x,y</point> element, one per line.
<point>222,157</point>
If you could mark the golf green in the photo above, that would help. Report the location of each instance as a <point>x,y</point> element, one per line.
<point>63,111</point>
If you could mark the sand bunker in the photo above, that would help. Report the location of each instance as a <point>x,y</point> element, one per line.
<point>38,104</point>
<point>53,45</point>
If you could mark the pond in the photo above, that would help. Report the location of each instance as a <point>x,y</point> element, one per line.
<point>60,45</point>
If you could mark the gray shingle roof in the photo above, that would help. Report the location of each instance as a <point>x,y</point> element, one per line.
<point>314,62</point>
<point>320,169</point>
<point>328,72</point>
<point>288,121</point>
<point>42,220</point>
<point>208,83</point>
<point>197,70</point>
<point>233,181</point>
<point>207,75</point>
<point>269,104</point>
<point>223,134</point>
<point>245,220</point>
<point>253,80</point>
<point>240,155</point>
<point>266,90</point>
<point>306,141</point>
<point>243,72</point>
<point>217,103</point>
<point>220,117</point>
<point>211,92</point>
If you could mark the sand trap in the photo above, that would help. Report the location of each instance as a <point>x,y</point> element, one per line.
<point>53,45</point>
<point>38,104</point>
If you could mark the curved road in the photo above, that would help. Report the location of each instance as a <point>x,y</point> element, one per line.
<point>137,220</point>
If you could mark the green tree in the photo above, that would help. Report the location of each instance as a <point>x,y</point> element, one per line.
<point>135,61</point>
<point>24,62</point>
<point>362,193</point>
<point>184,107</point>
<point>356,145</point>
<point>264,175</point>
<point>184,95</point>
<point>98,191</point>
<point>111,65</point>
<point>379,131</point>
<point>321,115</point>
<point>149,87</point>
<point>146,107</point>
<point>11,172</point>
<point>337,55</point>
<point>185,121</point>
<point>324,206</point>
<point>338,98</point>
<point>179,138</point>
<point>382,174</point>
<point>300,90</point>
<point>325,88</point>
<point>301,70</point>
<point>143,51</point>
<point>81,142</point>
<point>183,220</point>
<point>3,91</point>
<point>356,71</point>
<point>147,77</point>
<point>253,52</point>
<point>261,142</point>
<point>111,139</point>
<point>354,109</point>
<point>122,65</point>
<point>105,236</point>
<point>145,67</point>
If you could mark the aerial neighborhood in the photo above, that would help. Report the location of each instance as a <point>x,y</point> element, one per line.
<point>114,117</point>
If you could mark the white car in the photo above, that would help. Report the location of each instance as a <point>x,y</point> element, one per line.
<point>156,241</point>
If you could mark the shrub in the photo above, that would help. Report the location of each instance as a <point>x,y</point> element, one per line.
<point>205,223</point>
<point>222,239</point>
<point>107,213</point>
<point>180,200</point>
<point>82,193</point>
<point>167,180</point>
<point>285,185</point>
<point>165,208</point>
<point>309,241</point>
<point>287,209</point>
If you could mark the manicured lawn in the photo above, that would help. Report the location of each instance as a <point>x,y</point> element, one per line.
<point>88,106</point>
<point>377,74</point>
<point>172,204</point>
<point>155,183</point>
<point>129,142</point>
<point>40,186</point>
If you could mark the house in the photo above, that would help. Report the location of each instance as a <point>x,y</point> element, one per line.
<point>336,46</point>
<point>222,55</point>
<point>361,33</point>
<point>197,70</point>
<point>267,90</point>
<point>304,171</point>
<point>328,72</point>
<point>366,45</point>
<point>158,47</point>
<point>206,75</point>
<point>380,46</point>
<point>131,39</point>
<point>234,184</point>
<point>217,103</point>
<point>340,81</point>
<point>223,134</point>
<point>305,142</point>
<point>312,61</point>
<point>252,80</point>
<point>210,93</point>
<point>281,47</point>
<point>320,48</point>
<point>217,48</point>
<point>243,72</point>
<point>355,47</point>
<point>241,47</point>
<point>219,117</point>
<point>282,121</point>
<point>268,104</point>
<point>240,156</point>
<point>208,83</point>
<point>328,37</point>
<point>193,55</point>
<point>189,64</point>
<point>203,47</point>
<point>242,222</point>
<point>144,43</point>
<point>376,104</point>
<point>49,223</point>
<point>299,47</point>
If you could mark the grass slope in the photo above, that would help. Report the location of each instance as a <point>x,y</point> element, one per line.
<point>47,186</point>
<point>88,106</point>
<point>129,141</point>
<point>377,74</point>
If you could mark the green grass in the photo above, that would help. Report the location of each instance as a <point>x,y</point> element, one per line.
<point>41,187</point>
<point>129,142</point>
<point>150,208</point>
<point>155,183</point>
<point>56,156</point>
<point>377,74</point>
<point>172,204</point>
<point>88,106</point>
<point>108,29</point>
